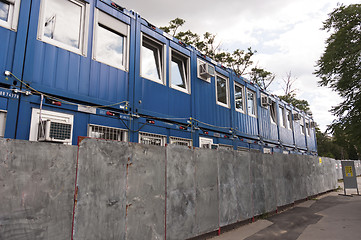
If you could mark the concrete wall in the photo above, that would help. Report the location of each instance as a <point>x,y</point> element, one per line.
<point>134,191</point>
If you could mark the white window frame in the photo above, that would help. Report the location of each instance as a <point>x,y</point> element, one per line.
<point>200,62</point>
<point>162,138</point>
<point>217,75</point>
<point>186,74</point>
<point>282,118</point>
<point>203,141</point>
<point>289,119</point>
<point>124,136</point>
<point>174,140</point>
<point>162,58</point>
<point>84,29</point>
<point>13,17</point>
<point>43,115</point>
<point>308,127</point>
<point>118,27</point>
<point>254,102</point>
<point>3,115</point>
<point>274,107</point>
<point>243,97</point>
<point>225,147</point>
<point>302,126</point>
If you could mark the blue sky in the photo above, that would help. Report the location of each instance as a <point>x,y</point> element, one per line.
<point>286,34</point>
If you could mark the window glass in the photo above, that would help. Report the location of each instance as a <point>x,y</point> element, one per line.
<point>302,126</point>
<point>62,23</point>
<point>273,113</point>
<point>152,60</point>
<point>238,96</point>
<point>4,11</point>
<point>282,116</point>
<point>289,120</point>
<point>222,90</point>
<point>179,70</point>
<point>251,102</point>
<point>2,123</point>
<point>109,46</point>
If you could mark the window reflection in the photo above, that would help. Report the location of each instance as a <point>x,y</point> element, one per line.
<point>109,47</point>
<point>251,102</point>
<point>62,22</point>
<point>222,90</point>
<point>179,71</point>
<point>152,62</point>
<point>239,97</point>
<point>4,11</point>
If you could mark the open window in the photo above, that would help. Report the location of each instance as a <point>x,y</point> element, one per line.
<point>251,103</point>
<point>2,123</point>
<point>239,97</point>
<point>273,112</point>
<point>9,13</point>
<point>110,41</point>
<point>179,71</point>
<point>152,60</point>
<point>222,90</point>
<point>108,133</point>
<point>64,23</point>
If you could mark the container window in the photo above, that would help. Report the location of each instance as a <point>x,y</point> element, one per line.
<point>2,123</point>
<point>273,112</point>
<point>222,90</point>
<point>238,97</point>
<point>251,102</point>
<point>289,119</point>
<point>152,60</point>
<point>62,23</point>
<point>152,139</point>
<point>302,126</point>
<point>9,13</point>
<point>108,133</point>
<point>205,142</point>
<point>179,71</point>
<point>225,147</point>
<point>110,40</point>
<point>180,141</point>
<point>282,117</point>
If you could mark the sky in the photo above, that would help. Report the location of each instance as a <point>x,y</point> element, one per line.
<point>286,34</point>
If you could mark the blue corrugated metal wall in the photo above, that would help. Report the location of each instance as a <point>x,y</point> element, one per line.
<point>80,79</point>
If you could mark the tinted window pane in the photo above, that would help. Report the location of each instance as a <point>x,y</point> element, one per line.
<point>62,21</point>
<point>178,77</point>
<point>110,47</point>
<point>222,90</point>
<point>4,11</point>
<point>239,97</point>
<point>251,103</point>
<point>151,60</point>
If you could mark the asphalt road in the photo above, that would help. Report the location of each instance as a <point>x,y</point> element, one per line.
<point>330,216</point>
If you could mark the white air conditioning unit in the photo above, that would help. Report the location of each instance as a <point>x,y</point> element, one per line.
<point>265,101</point>
<point>313,124</point>
<point>297,116</point>
<point>54,131</point>
<point>206,70</point>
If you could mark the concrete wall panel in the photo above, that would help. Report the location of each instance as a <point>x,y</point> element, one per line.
<point>181,193</point>
<point>37,190</point>
<point>146,192</point>
<point>207,202</point>
<point>270,170</point>
<point>257,183</point>
<point>101,208</point>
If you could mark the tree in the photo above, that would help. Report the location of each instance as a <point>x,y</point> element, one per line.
<point>340,68</point>
<point>300,104</point>
<point>238,60</point>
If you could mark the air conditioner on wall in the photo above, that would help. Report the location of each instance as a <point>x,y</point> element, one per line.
<point>54,131</point>
<point>297,116</point>
<point>313,124</point>
<point>265,101</point>
<point>206,70</point>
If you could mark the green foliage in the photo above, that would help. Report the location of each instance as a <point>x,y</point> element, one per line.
<point>340,68</point>
<point>262,77</point>
<point>300,104</point>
